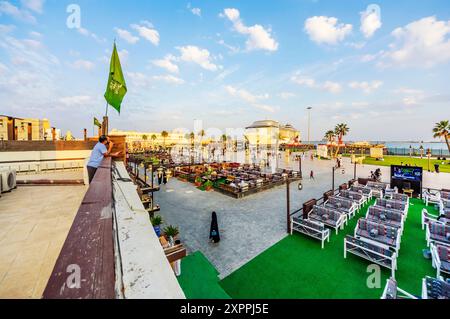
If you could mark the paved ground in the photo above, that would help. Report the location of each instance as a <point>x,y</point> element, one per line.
<point>34,223</point>
<point>248,226</point>
<point>251,225</point>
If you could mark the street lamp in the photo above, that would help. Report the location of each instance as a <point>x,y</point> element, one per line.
<point>309,108</point>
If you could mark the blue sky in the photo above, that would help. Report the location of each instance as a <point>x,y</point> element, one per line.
<point>381,69</point>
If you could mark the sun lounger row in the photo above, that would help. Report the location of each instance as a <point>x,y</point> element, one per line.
<point>311,228</point>
<point>432,288</point>
<point>376,253</point>
<point>355,197</point>
<point>386,216</point>
<point>329,217</point>
<point>393,205</point>
<point>366,192</point>
<point>378,233</point>
<point>427,217</point>
<point>438,233</point>
<point>378,189</point>
<point>441,259</point>
<point>343,205</point>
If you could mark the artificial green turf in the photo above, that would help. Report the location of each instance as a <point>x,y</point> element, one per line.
<point>397,160</point>
<point>199,278</point>
<point>297,267</point>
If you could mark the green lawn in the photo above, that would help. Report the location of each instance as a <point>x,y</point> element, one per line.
<point>199,278</point>
<point>397,160</point>
<point>297,267</point>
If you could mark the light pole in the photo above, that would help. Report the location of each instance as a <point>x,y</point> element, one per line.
<point>309,108</point>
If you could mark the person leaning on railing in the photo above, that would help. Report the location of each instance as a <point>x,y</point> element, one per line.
<point>98,154</point>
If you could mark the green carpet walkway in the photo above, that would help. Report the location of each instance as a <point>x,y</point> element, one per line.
<point>297,267</point>
<point>199,278</point>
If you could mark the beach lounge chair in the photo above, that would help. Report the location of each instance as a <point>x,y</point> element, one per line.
<point>367,192</point>
<point>374,252</point>
<point>358,198</point>
<point>330,217</point>
<point>310,228</point>
<point>378,189</point>
<point>344,205</point>
<point>401,198</point>
<point>392,204</point>
<point>392,291</point>
<point>433,288</point>
<point>385,216</point>
<point>438,233</point>
<point>378,233</point>
<point>445,195</point>
<point>431,198</point>
<point>444,207</point>
<point>441,259</point>
<point>427,217</point>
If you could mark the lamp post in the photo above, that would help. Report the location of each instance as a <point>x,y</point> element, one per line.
<point>309,108</point>
<point>334,170</point>
<point>288,206</point>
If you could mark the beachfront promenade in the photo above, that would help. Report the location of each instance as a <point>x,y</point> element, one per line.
<point>251,225</point>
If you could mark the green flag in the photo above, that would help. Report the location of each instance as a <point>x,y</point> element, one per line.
<point>97,123</point>
<point>117,88</point>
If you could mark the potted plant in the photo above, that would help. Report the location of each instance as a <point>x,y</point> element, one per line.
<point>198,181</point>
<point>157,222</point>
<point>171,232</point>
<point>208,185</point>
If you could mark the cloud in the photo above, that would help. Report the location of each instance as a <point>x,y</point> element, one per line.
<point>366,87</point>
<point>4,28</point>
<point>83,65</point>
<point>126,35</point>
<point>87,33</point>
<point>258,38</point>
<point>423,43</point>
<point>327,30</point>
<point>329,86</point>
<point>194,11</point>
<point>168,79</point>
<point>286,95</point>
<point>147,31</point>
<point>332,87</point>
<point>199,56</point>
<point>370,23</point>
<point>16,13</point>
<point>167,63</point>
<point>34,5</point>
<point>77,100</point>
<point>245,95</point>
<point>252,99</point>
<point>142,80</point>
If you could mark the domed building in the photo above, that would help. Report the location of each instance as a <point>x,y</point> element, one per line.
<point>271,133</point>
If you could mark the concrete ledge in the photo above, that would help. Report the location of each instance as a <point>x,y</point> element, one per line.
<point>146,272</point>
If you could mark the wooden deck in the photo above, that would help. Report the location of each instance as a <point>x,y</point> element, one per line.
<point>89,248</point>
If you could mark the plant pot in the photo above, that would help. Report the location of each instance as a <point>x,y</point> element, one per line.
<point>157,230</point>
<point>198,184</point>
<point>209,188</point>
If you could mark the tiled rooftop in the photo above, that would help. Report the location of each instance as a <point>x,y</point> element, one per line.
<point>34,223</point>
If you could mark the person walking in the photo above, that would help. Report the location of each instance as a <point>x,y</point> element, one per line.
<point>214,235</point>
<point>98,154</point>
<point>311,175</point>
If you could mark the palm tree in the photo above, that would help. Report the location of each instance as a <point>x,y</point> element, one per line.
<point>330,136</point>
<point>341,130</point>
<point>154,137</point>
<point>442,130</point>
<point>202,134</point>
<point>164,135</point>
<point>224,143</point>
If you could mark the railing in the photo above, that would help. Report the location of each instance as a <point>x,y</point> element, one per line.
<point>85,268</point>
